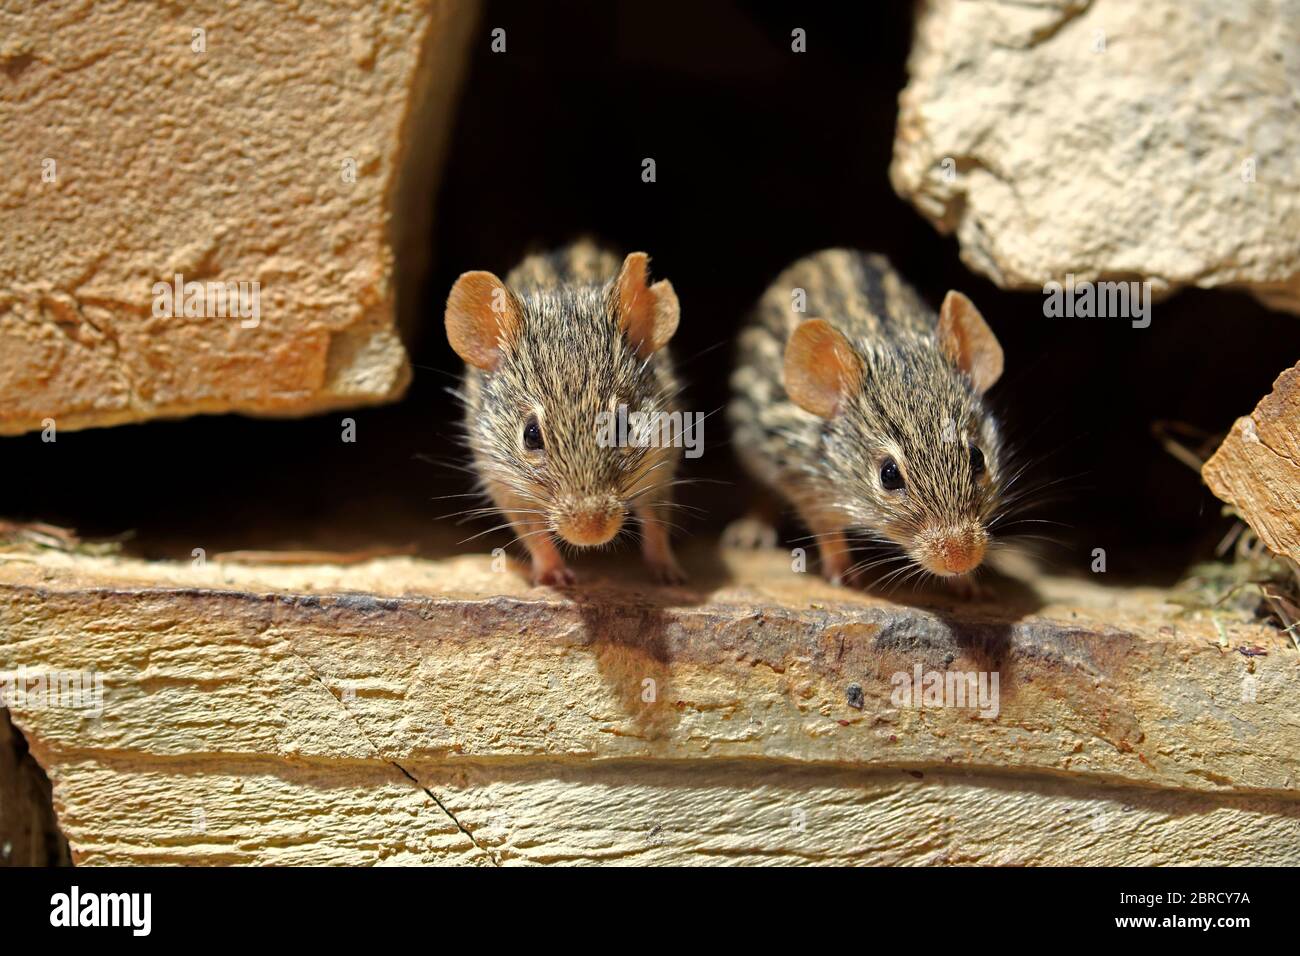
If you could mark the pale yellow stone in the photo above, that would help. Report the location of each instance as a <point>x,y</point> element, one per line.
<point>406,710</point>
<point>136,148</point>
<point>1111,139</point>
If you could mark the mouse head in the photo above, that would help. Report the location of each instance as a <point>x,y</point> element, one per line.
<point>907,444</point>
<point>557,364</point>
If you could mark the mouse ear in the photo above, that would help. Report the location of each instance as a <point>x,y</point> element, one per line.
<point>968,341</point>
<point>481,315</point>
<point>821,369</point>
<point>648,314</point>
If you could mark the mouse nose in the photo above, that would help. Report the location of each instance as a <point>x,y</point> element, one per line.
<point>589,522</point>
<point>959,556</point>
<point>951,553</point>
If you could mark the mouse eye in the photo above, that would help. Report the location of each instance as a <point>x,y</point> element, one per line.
<point>532,434</point>
<point>976,461</point>
<point>890,477</point>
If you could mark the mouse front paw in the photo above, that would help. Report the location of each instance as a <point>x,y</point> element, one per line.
<point>667,571</point>
<point>851,578</point>
<point>554,576</point>
<point>839,573</point>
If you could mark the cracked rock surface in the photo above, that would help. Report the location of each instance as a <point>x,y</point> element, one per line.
<point>1123,139</point>
<point>407,710</point>
<point>294,146</point>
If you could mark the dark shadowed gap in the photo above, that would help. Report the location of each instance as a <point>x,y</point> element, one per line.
<point>29,828</point>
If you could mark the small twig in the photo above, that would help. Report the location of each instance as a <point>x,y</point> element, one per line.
<point>1195,460</point>
<point>1287,612</point>
<point>1230,538</point>
<point>51,536</point>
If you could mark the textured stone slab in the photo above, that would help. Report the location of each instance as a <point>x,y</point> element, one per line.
<point>295,147</point>
<point>501,723</point>
<point>1120,139</point>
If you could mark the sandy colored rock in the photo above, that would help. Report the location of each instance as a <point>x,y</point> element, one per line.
<point>1257,468</point>
<point>137,148</point>
<point>1122,139</point>
<point>409,710</point>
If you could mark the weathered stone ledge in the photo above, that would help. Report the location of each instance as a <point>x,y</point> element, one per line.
<point>395,722</point>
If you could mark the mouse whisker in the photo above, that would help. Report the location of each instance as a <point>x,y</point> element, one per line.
<point>507,524</point>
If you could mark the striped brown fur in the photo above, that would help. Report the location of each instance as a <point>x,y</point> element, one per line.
<point>914,406</point>
<point>568,359</point>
